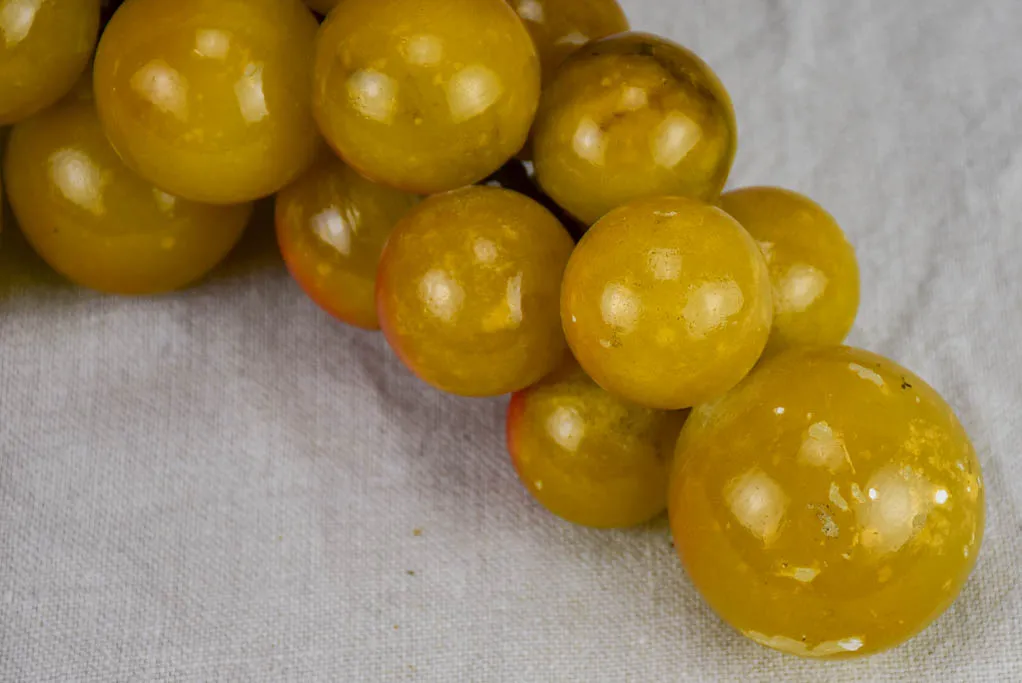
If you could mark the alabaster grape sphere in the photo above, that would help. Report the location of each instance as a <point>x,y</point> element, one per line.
<point>466,291</point>
<point>425,95</point>
<point>830,506</point>
<point>666,302</point>
<point>813,270</point>
<point>210,100</point>
<point>628,117</point>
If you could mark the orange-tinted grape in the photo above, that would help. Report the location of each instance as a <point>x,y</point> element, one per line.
<point>331,226</point>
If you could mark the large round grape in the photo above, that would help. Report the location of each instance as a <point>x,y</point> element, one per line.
<point>830,506</point>
<point>425,95</point>
<point>628,117</point>
<point>466,291</point>
<point>666,302</point>
<point>210,100</point>
<point>96,221</point>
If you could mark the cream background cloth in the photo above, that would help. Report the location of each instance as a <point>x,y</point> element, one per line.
<point>225,484</point>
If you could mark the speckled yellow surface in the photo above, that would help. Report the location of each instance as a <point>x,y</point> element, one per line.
<point>209,100</point>
<point>467,291</point>
<point>97,222</point>
<point>831,506</point>
<point>559,27</point>
<point>633,116</point>
<point>588,456</point>
<point>425,96</point>
<point>667,302</point>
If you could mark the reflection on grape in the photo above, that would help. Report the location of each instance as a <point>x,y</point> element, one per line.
<point>830,506</point>
<point>629,117</point>
<point>331,226</point>
<point>209,100</point>
<point>425,100</point>
<point>467,291</point>
<point>588,456</point>
<point>95,221</point>
<point>813,270</point>
<point>666,302</point>
<point>44,48</point>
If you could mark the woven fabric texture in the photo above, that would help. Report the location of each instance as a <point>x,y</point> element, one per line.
<point>225,484</point>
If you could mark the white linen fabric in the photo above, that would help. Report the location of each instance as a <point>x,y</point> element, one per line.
<point>225,484</point>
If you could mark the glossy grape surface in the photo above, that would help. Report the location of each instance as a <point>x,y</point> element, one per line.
<point>467,291</point>
<point>666,302</point>
<point>425,95</point>
<point>628,117</point>
<point>588,456</point>
<point>830,506</point>
<point>559,27</point>
<point>98,223</point>
<point>45,46</point>
<point>331,227</point>
<point>210,100</point>
<point>813,270</point>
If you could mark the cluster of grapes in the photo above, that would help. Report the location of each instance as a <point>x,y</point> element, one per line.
<point>824,500</point>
